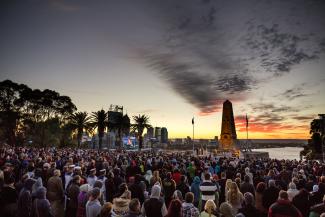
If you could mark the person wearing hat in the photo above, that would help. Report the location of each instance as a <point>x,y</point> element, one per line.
<point>93,206</point>
<point>92,178</point>
<point>78,171</point>
<point>82,200</point>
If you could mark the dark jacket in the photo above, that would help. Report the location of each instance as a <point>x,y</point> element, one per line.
<point>8,201</point>
<point>73,192</point>
<point>55,189</point>
<point>41,206</point>
<point>250,211</point>
<point>270,196</point>
<point>283,208</point>
<point>153,207</point>
<point>25,199</point>
<point>247,187</point>
<point>137,192</point>
<point>301,201</point>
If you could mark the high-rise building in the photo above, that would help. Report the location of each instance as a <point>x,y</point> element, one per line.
<point>164,135</point>
<point>150,132</point>
<point>228,130</point>
<point>158,133</point>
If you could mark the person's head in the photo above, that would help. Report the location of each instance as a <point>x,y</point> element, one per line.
<point>210,206</point>
<point>156,173</point>
<point>207,176</point>
<point>85,188</point>
<point>155,191</point>
<point>56,173</point>
<point>123,187</point>
<point>177,195</point>
<point>41,193</point>
<point>183,179</point>
<point>271,183</point>
<point>9,179</point>
<point>106,209</point>
<point>233,187</point>
<point>76,179</point>
<point>249,199</point>
<point>283,195</point>
<point>134,206</point>
<point>228,183</point>
<point>95,193</point>
<point>226,209</point>
<point>175,208</point>
<point>292,186</point>
<point>98,184</point>
<point>189,197</point>
<point>261,186</point>
<point>223,175</point>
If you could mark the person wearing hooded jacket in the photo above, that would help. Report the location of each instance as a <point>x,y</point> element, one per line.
<point>195,189</point>
<point>155,206</point>
<point>25,199</point>
<point>41,206</point>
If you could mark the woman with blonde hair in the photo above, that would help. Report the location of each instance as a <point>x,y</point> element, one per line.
<point>209,209</point>
<point>235,197</point>
<point>227,187</point>
<point>155,178</point>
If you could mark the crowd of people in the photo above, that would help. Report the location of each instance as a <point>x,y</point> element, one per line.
<point>46,182</point>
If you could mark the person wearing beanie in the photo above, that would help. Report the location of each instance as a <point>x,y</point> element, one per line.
<point>155,206</point>
<point>93,206</point>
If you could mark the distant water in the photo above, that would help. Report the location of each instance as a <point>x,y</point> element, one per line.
<point>290,153</point>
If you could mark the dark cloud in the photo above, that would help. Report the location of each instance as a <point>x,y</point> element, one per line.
<point>210,52</point>
<point>303,117</point>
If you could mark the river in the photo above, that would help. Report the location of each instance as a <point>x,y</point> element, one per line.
<point>290,153</point>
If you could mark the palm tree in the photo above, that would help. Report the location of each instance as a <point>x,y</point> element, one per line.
<point>79,122</point>
<point>99,121</point>
<point>140,123</point>
<point>122,125</point>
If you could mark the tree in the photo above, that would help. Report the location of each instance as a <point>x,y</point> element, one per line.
<point>79,122</point>
<point>140,123</point>
<point>99,121</point>
<point>11,103</point>
<point>315,126</point>
<point>121,124</point>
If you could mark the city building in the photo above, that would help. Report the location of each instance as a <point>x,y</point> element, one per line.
<point>158,134</point>
<point>164,135</point>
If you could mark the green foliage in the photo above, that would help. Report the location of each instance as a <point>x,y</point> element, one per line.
<point>80,122</point>
<point>32,115</point>
<point>140,123</point>
<point>99,121</point>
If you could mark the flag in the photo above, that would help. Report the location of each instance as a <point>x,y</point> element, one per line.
<point>246,121</point>
<point>193,120</point>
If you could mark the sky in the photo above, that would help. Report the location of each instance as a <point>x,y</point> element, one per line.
<point>174,60</point>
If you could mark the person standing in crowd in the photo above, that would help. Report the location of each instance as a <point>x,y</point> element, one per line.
<point>209,209</point>
<point>260,188</point>
<point>249,209</point>
<point>169,186</point>
<point>92,178</point>
<point>72,195</point>
<point>222,184</point>
<point>282,207</point>
<point>189,210</point>
<point>41,206</point>
<point>302,202</point>
<point>25,199</point>
<point>246,186</point>
<point>155,206</point>
<point>235,197</point>
<point>82,200</point>
<point>102,178</point>
<point>136,189</point>
<point>183,186</point>
<point>270,194</point>
<point>55,194</point>
<point>195,189</point>
<point>110,187</point>
<point>134,208</point>
<point>93,206</point>
<point>226,210</point>
<point>106,210</point>
<point>155,178</point>
<point>317,209</point>
<point>208,190</point>
<point>68,175</point>
<point>8,196</point>
<point>175,208</point>
<point>292,191</point>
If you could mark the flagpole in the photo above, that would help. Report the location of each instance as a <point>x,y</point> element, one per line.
<point>193,135</point>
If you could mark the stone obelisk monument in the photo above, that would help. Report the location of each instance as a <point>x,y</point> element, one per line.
<point>228,130</point>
